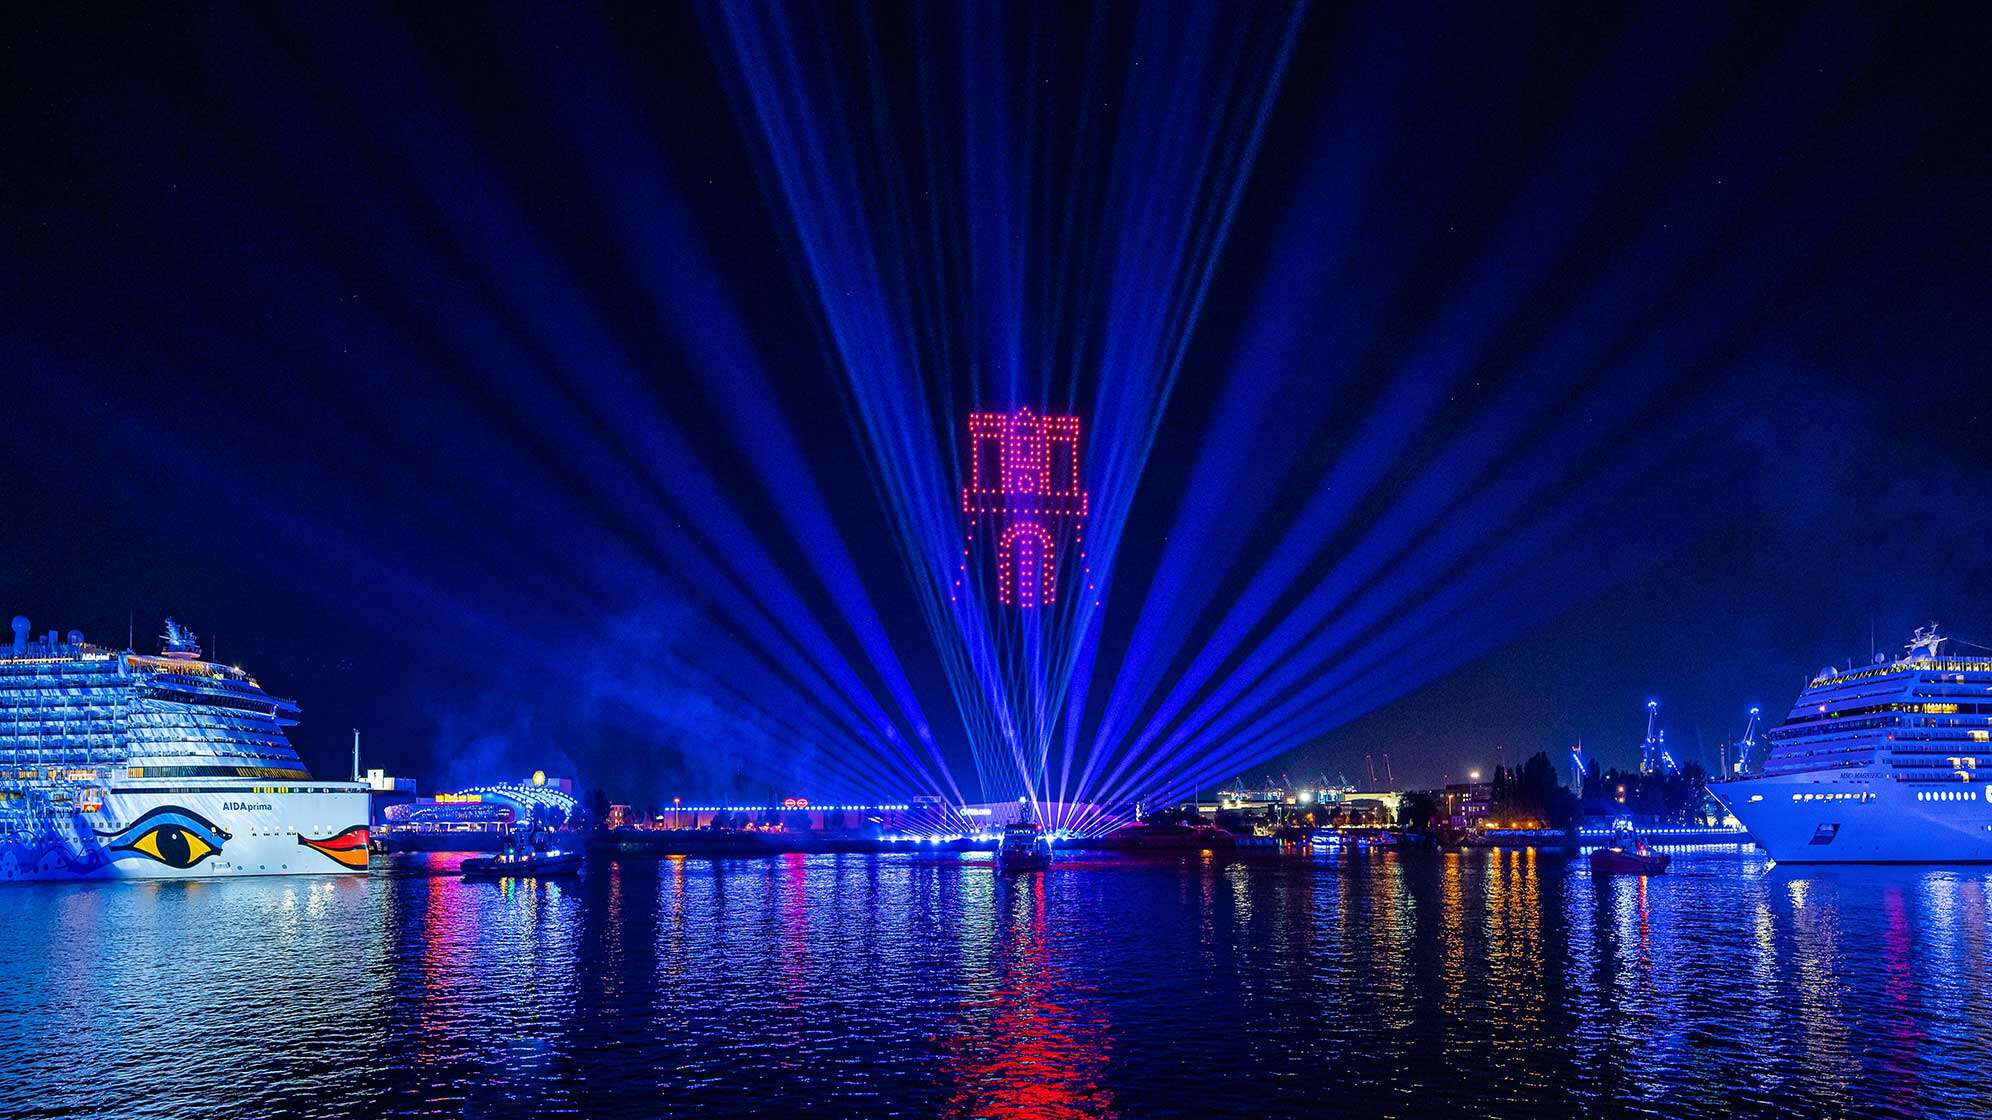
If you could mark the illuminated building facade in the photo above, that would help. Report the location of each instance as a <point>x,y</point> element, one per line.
<point>1024,498</point>
<point>492,808</point>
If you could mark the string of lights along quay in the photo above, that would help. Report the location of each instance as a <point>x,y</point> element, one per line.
<point>115,763</point>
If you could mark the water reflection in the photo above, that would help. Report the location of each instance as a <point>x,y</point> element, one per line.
<point>1385,983</point>
<point>1035,1046</point>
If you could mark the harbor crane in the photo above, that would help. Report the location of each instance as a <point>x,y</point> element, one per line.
<point>1748,742</point>
<point>1653,755</point>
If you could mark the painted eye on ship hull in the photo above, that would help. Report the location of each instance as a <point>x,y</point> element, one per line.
<point>176,837</point>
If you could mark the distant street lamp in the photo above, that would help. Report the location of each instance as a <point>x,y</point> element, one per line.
<point>1473,775</point>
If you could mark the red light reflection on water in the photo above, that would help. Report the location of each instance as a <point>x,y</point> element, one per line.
<point>795,932</point>
<point>1036,1049</point>
<point>449,950</point>
<point>1901,1037</point>
<point>788,888</point>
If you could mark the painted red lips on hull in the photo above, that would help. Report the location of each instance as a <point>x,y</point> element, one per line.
<point>349,848</point>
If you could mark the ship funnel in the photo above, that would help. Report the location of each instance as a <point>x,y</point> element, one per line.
<point>20,633</point>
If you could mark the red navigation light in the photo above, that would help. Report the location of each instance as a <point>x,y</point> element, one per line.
<point>1023,476</point>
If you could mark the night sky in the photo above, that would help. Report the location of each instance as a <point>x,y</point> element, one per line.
<point>458,371</point>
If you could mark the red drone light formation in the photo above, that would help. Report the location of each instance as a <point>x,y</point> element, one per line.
<point>1023,492</point>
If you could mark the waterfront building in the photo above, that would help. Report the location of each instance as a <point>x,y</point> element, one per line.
<point>384,791</point>
<point>115,763</point>
<point>1465,804</point>
<point>488,809</point>
<point>792,814</point>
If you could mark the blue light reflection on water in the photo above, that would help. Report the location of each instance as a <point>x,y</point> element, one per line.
<point>1484,983</point>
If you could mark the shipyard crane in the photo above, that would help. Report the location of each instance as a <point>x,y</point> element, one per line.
<point>1748,742</point>
<point>1653,756</point>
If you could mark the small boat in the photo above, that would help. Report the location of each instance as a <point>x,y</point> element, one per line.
<point>531,856</point>
<point>502,866</point>
<point>1628,855</point>
<point>1024,847</point>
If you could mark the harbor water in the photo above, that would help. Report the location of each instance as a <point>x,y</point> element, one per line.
<point>1375,984</point>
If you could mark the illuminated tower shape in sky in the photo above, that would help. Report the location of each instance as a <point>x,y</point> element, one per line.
<point>1024,496</point>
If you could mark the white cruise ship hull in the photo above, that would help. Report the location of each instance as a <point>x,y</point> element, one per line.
<point>191,830</point>
<point>1854,817</point>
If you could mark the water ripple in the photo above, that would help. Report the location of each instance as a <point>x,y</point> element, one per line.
<point>1464,984</point>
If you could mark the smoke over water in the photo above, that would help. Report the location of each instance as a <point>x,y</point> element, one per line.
<point>649,707</point>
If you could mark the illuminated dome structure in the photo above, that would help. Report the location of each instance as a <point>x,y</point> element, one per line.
<point>523,798</point>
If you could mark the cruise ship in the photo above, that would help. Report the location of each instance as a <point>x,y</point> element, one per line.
<point>1883,764</point>
<point>117,764</point>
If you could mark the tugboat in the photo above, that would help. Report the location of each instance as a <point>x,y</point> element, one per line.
<point>1628,855</point>
<point>520,858</point>
<point>1024,847</point>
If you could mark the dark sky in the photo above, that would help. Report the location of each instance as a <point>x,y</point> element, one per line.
<point>312,321</point>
